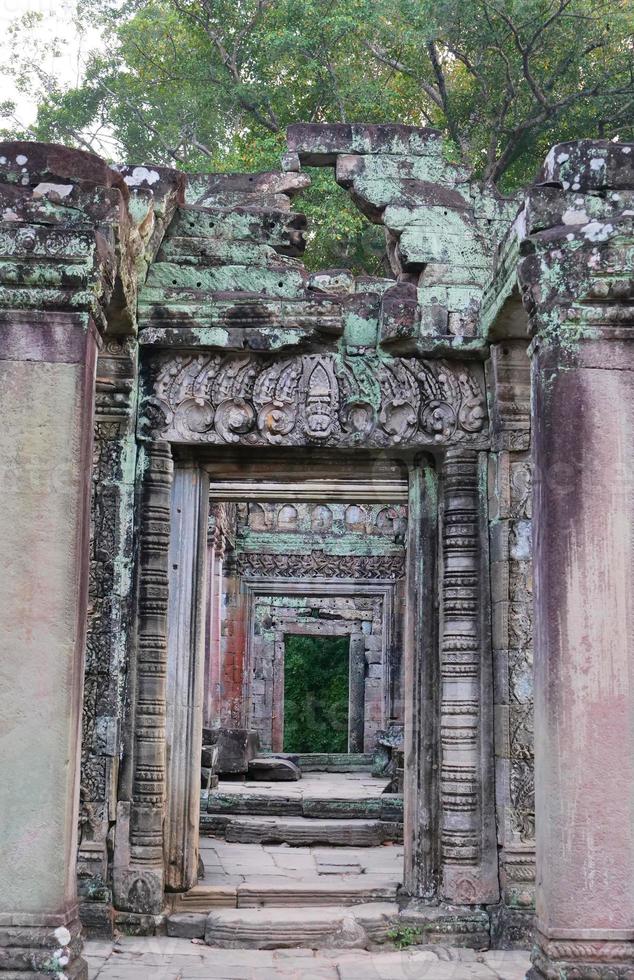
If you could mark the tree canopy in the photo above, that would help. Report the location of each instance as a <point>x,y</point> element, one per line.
<point>212,85</point>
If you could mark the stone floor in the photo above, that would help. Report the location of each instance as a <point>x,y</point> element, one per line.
<point>329,785</point>
<point>257,900</point>
<point>231,864</point>
<point>179,959</point>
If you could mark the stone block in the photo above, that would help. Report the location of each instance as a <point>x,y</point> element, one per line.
<point>186,925</point>
<point>333,927</point>
<point>318,892</point>
<point>299,831</point>
<point>97,919</point>
<point>589,165</point>
<point>202,897</point>
<point>236,747</point>
<point>317,144</point>
<point>138,924</point>
<point>272,769</point>
<point>447,925</point>
<point>209,756</point>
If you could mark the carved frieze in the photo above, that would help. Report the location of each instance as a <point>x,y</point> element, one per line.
<point>317,563</point>
<point>313,399</point>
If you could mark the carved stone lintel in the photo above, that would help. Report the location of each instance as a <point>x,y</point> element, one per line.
<point>139,888</point>
<point>313,399</point>
<point>468,849</point>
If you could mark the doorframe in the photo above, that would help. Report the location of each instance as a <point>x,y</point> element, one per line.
<point>253,588</point>
<point>450,830</point>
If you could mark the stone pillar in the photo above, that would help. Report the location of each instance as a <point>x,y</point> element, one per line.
<point>510,501</point>
<point>138,865</point>
<point>578,291</point>
<point>468,839</point>
<point>47,368</point>
<point>420,708</point>
<point>185,673</point>
<point>104,774</point>
<point>212,656</point>
<point>356,697</point>
<point>277,676</point>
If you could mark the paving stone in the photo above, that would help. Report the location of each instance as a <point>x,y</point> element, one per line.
<point>167,959</point>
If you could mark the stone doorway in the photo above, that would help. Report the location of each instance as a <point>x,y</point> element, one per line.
<point>301,561</point>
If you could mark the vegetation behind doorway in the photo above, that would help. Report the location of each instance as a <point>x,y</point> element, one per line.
<point>316,685</point>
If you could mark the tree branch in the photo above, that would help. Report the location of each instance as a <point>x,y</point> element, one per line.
<point>454,130</point>
<point>268,119</point>
<point>547,113</point>
<point>385,59</point>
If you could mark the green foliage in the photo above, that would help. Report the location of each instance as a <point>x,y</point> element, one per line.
<point>404,936</point>
<point>316,693</point>
<point>212,85</point>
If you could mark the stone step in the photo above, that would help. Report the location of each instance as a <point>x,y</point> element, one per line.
<point>301,831</point>
<point>387,806</point>
<point>310,892</point>
<point>327,761</point>
<point>334,926</point>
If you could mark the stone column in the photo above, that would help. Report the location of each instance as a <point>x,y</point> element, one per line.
<point>185,673</point>
<point>420,706</point>
<point>356,698</point>
<point>104,773</point>
<point>578,291</point>
<point>139,873</point>
<point>510,514</point>
<point>47,368</point>
<point>468,839</point>
<point>212,638</point>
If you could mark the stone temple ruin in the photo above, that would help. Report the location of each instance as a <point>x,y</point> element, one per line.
<point>209,451</point>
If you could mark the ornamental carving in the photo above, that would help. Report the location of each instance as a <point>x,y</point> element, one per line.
<point>253,564</point>
<point>313,399</point>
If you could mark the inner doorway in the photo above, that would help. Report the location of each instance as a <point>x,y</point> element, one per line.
<point>303,679</point>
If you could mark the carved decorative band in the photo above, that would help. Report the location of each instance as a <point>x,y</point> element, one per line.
<point>318,563</point>
<point>314,399</point>
<point>582,959</point>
